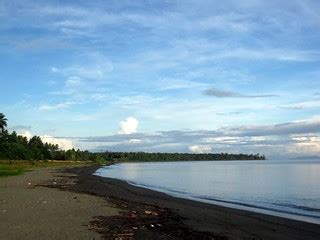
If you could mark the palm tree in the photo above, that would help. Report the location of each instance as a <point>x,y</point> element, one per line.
<point>3,122</point>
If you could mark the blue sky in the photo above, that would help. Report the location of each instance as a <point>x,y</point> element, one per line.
<point>169,76</point>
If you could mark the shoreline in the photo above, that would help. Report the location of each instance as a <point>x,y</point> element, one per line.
<point>217,222</point>
<point>238,206</point>
<point>267,210</point>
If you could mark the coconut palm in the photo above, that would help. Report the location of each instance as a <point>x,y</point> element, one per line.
<point>3,122</point>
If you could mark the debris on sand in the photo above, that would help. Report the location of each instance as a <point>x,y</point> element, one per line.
<point>141,221</point>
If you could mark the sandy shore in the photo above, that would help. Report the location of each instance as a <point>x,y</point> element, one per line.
<point>29,211</point>
<point>89,207</point>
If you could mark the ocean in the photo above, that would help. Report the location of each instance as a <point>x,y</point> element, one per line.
<point>283,188</point>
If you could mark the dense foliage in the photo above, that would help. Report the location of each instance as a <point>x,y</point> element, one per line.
<point>17,147</point>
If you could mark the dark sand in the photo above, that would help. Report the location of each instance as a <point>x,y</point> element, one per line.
<point>90,207</point>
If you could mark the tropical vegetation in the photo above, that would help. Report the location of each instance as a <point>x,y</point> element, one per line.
<point>16,147</point>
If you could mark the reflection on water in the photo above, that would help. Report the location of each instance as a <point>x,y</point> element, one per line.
<point>285,188</point>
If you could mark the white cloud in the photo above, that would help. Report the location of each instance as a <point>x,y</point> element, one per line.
<point>98,96</point>
<point>134,141</point>
<point>174,84</point>
<point>93,65</point>
<point>302,105</point>
<point>59,106</point>
<point>223,140</point>
<point>271,54</point>
<point>72,82</point>
<point>54,69</point>
<point>200,149</point>
<point>63,143</point>
<point>27,134</point>
<point>129,126</point>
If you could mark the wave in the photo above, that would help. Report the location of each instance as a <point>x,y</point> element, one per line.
<point>305,208</point>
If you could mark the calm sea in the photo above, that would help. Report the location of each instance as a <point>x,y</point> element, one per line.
<point>283,188</point>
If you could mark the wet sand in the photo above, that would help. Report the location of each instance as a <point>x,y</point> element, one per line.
<point>73,204</point>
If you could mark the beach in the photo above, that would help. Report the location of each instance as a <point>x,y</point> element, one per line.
<point>71,203</point>
<point>29,210</point>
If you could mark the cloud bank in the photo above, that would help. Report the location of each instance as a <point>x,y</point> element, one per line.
<point>293,138</point>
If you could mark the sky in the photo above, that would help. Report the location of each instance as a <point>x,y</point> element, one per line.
<point>164,76</point>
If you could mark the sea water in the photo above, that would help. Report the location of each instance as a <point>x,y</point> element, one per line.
<point>278,187</point>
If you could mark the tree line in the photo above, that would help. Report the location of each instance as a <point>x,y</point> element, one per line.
<point>17,147</point>
<point>155,157</point>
